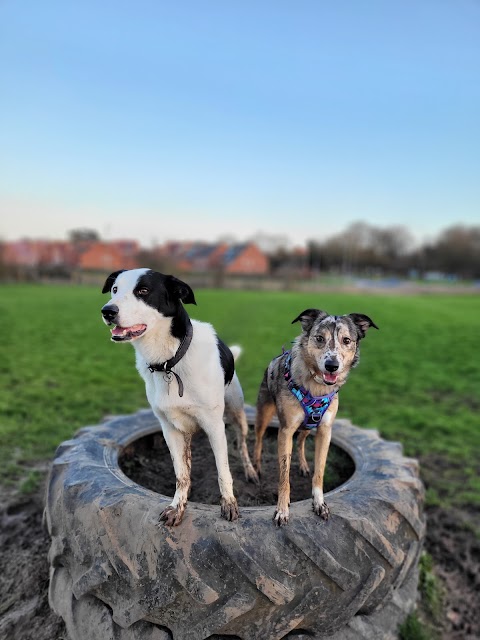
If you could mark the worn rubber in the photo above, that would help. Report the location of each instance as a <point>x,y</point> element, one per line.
<point>117,574</point>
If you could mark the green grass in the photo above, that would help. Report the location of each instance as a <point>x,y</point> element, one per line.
<point>418,380</point>
<point>426,622</point>
<point>414,629</point>
<point>430,589</point>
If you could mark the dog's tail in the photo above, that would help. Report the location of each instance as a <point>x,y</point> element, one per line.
<point>236,351</point>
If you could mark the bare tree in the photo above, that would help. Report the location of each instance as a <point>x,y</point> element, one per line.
<point>154,259</point>
<point>457,251</point>
<point>80,236</point>
<point>363,248</point>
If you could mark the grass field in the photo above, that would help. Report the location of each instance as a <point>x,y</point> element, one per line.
<point>418,380</point>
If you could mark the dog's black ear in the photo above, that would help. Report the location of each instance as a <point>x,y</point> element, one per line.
<point>110,280</point>
<point>180,290</point>
<point>362,323</point>
<point>308,317</point>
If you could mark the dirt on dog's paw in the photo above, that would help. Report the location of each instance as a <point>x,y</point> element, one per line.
<point>280,517</point>
<point>321,510</point>
<point>229,509</point>
<point>172,516</point>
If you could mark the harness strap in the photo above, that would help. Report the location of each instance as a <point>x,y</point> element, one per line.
<point>314,407</point>
<point>166,367</point>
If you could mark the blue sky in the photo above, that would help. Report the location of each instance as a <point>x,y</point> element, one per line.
<point>160,120</point>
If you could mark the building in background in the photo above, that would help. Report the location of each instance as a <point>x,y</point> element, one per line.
<point>202,257</point>
<point>54,258</point>
<point>109,256</point>
<point>59,258</point>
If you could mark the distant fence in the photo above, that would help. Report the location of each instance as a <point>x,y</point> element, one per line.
<point>210,281</point>
<point>288,282</point>
<point>317,284</point>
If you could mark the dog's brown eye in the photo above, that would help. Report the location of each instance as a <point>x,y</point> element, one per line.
<point>320,339</point>
<point>142,292</point>
<point>114,290</point>
<point>346,341</point>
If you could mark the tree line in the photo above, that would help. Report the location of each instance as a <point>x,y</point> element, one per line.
<point>365,249</point>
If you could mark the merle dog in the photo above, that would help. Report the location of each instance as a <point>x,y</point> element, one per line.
<point>301,385</point>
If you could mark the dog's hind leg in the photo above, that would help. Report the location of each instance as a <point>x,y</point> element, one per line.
<point>179,444</point>
<point>237,418</point>
<point>302,461</point>
<point>265,413</point>
<point>235,415</point>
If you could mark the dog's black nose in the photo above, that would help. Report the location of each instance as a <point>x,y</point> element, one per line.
<point>110,312</point>
<point>331,366</point>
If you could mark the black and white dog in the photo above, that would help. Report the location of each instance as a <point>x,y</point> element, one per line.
<point>189,375</point>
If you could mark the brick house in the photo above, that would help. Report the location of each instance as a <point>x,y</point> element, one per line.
<point>202,257</point>
<point>109,256</point>
<point>57,254</point>
<point>40,255</point>
<point>22,253</point>
<point>245,259</point>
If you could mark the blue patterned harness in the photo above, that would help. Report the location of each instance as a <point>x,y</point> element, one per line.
<point>314,407</point>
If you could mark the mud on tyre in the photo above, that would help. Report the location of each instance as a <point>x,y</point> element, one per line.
<point>117,575</point>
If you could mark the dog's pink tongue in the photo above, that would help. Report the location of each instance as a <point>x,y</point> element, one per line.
<point>121,331</point>
<point>330,377</point>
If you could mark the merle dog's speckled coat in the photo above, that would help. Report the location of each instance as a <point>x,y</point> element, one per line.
<point>321,359</point>
<point>146,309</point>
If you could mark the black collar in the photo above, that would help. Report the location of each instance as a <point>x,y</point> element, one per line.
<point>166,367</point>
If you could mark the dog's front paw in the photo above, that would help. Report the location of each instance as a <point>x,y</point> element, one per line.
<point>321,510</point>
<point>172,516</point>
<point>229,509</point>
<point>281,517</point>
